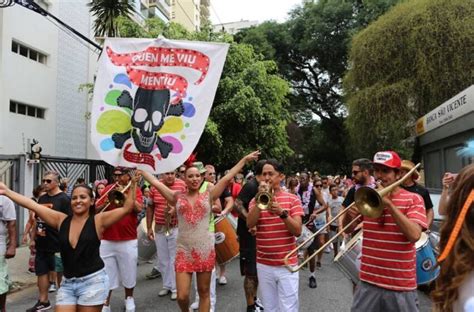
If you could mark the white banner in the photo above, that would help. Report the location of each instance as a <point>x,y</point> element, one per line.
<point>152,98</point>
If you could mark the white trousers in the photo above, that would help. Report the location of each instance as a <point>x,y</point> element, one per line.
<point>278,288</point>
<point>213,288</point>
<point>166,253</point>
<point>120,258</point>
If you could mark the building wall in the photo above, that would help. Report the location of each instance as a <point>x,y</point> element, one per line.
<point>72,69</point>
<point>186,13</point>
<point>234,27</point>
<point>27,81</point>
<point>52,86</point>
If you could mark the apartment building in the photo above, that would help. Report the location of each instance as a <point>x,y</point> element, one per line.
<point>234,27</point>
<point>41,69</point>
<point>152,8</point>
<point>189,13</point>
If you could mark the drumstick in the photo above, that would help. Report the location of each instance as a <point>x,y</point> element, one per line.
<point>457,227</point>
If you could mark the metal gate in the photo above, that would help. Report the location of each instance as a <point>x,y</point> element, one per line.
<point>10,174</point>
<point>73,169</point>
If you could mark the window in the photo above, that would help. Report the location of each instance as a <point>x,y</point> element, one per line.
<point>28,52</point>
<point>27,110</point>
<point>14,47</point>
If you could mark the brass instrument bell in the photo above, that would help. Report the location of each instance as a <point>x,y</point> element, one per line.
<point>264,199</point>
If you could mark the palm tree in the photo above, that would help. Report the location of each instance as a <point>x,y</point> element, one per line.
<point>106,12</point>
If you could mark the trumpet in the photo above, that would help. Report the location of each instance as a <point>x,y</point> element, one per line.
<point>115,195</point>
<point>369,203</point>
<point>264,199</point>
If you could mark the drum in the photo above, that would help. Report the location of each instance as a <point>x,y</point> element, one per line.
<point>426,269</point>
<point>146,247</point>
<point>227,245</point>
<point>348,259</point>
<point>305,234</point>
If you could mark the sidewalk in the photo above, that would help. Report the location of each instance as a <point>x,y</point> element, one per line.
<point>18,270</point>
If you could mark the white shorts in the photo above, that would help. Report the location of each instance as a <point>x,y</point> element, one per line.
<point>120,258</point>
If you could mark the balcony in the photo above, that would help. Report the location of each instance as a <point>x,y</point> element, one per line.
<point>206,2</point>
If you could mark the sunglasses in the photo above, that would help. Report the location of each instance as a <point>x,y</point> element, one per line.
<point>47,181</point>
<point>318,185</point>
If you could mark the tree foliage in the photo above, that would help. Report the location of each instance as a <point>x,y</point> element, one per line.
<point>311,51</point>
<point>250,107</point>
<point>405,64</point>
<point>106,13</point>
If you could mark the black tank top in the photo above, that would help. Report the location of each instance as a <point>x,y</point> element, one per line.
<point>85,259</point>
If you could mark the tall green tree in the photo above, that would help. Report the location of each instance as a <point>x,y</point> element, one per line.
<point>406,63</point>
<point>106,13</point>
<point>311,50</point>
<point>250,109</point>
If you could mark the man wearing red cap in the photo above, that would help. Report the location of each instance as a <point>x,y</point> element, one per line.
<point>388,263</point>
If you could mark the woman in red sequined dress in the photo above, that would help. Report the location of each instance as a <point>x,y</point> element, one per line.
<point>195,243</point>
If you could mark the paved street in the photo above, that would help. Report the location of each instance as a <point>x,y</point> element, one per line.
<point>333,293</point>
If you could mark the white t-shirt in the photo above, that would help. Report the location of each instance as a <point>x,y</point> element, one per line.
<point>334,205</point>
<point>7,213</point>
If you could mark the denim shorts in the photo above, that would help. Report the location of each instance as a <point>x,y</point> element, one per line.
<point>89,290</point>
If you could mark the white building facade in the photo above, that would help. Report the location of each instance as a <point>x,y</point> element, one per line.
<point>41,69</point>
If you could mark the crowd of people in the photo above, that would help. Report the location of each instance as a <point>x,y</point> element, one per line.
<point>83,239</point>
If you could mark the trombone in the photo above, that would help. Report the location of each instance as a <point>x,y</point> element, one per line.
<point>115,195</point>
<point>369,203</point>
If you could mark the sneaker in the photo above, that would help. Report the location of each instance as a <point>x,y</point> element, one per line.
<point>174,295</point>
<point>52,287</point>
<point>318,265</point>
<point>258,304</point>
<point>153,274</point>
<point>106,308</point>
<point>163,292</point>
<point>312,282</point>
<point>222,280</point>
<point>195,305</point>
<point>40,306</point>
<point>327,249</point>
<point>129,304</point>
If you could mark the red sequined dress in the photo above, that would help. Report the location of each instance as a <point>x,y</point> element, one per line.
<point>195,243</point>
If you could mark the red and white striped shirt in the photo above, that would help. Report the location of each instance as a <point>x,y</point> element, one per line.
<point>159,202</point>
<point>388,257</point>
<point>274,241</point>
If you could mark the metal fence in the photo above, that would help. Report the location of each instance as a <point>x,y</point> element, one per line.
<point>73,169</point>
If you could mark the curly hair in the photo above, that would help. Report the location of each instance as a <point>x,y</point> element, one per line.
<point>460,262</point>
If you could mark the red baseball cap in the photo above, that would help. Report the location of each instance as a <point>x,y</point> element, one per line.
<point>388,158</point>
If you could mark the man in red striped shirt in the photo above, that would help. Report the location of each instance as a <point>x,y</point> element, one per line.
<point>165,242</point>
<point>276,230</point>
<point>388,263</point>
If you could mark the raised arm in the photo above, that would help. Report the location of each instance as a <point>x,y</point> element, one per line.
<point>167,193</point>
<point>52,217</point>
<point>224,181</point>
